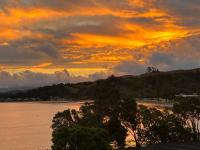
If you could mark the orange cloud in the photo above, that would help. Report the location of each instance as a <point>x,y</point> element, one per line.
<point>100,35</point>
<point>89,40</point>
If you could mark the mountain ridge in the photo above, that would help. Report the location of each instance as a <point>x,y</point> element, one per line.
<point>153,84</point>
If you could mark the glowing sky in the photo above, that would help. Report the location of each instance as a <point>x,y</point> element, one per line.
<point>97,36</point>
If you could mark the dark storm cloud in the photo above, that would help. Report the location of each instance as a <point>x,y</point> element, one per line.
<point>58,4</point>
<point>172,61</point>
<point>12,55</point>
<point>49,49</point>
<point>130,67</point>
<point>63,28</point>
<point>27,52</point>
<point>162,58</point>
<point>180,6</point>
<point>71,4</point>
<point>187,12</point>
<point>180,54</point>
<point>142,20</point>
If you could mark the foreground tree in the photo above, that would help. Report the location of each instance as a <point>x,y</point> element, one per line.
<point>111,112</point>
<point>155,126</point>
<point>116,114</point>
<point>152,70</point>
<point>116,110</point>
<point>80,138</point>
<point>85,116</point>
<point>78,130</point>
<point>67,118</point>
<point>189,109</point>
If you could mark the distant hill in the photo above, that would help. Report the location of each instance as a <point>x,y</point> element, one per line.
<point>148,85</point>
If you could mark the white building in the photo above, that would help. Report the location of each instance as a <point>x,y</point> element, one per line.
<point>185,95</point>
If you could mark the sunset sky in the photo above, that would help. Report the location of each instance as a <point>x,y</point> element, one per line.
<point>51,41</point>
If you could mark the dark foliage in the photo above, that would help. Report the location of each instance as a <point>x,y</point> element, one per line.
<point>189,110</point>
<point>153,84</point>
<point>80,138</point>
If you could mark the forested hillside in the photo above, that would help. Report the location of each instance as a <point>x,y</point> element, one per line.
<point>154,84</point>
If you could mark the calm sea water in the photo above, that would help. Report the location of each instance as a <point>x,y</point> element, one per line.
<point>27,126</point>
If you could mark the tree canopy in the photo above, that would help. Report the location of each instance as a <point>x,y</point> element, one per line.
<point>80,138</point>
<point>189,109</point>
<point>116,115</point>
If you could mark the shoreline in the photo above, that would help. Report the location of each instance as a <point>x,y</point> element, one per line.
<point>153,104</point>
<point>47,101</point>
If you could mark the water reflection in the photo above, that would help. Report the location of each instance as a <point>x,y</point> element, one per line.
<point>27,125</point>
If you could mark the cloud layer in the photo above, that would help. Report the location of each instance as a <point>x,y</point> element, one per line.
<point>92,36</point>
<point>29,79</point>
